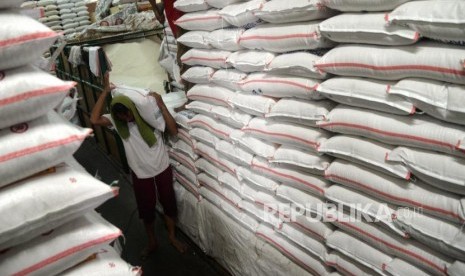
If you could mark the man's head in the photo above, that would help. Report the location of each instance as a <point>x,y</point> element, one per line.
<point>122,113</point>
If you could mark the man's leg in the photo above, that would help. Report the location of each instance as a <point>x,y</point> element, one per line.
<point>164,182</point>
<point>144,190</point>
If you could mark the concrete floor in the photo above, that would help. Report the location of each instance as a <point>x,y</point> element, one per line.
<point>122,212</point>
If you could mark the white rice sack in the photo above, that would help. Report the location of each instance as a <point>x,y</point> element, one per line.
<point>365,152</point>
<point>365,93</point>
<point>37,205</point>
<point>441,100</point>
<point>253,178</point>
<point>256,105</point>
<point>226,39</point>
<point>283,38</point>
<point>22,39</point>
<point>27,93</point>
<point>298,64</point>
<point>311,227</point>
<point>233,117</point>
<point>241,14</point>
<point>145,104</point>
<point>363,5</point>
<point>294,178</point>
<point>204,136</point>
<point>43,3</point>
<point>228,78</point>
<point>51,24</point>
<point>281,86</point>
<point>30,147</point>
<point>186,184</point>
<point>219,4</point>
<point>311,264</point>
<point>191,5</point>
<point>287,133</point>
<point>300,199</point>
<point>202,21</point>
<point>440,170</point>
<point>216,128</point>
<point>182,118</point>
<point>291,157</point>
<point>212,156</point>
<point>205,166</point>
<point>439,20</point>
<point>315,247</point>
<point>183,159</point>
<point>51,12</point>
<point>346,266</point>
<point>200,107</point>
<point>230,182</point>
<point>195,39</point>
<point>399,267</point>
<point>366,28</point>
<point>234,153</point>
<point>456,269</point>
<point>257,210</point>
<point>443,236</point>
<point>408,249</point>
<point>358,251</point>
<point>249,60</point>
<point>186,172</point>
<point>302,112</point>
<point>428,60</point>
<point>377,210</point>
<point>211,196</point>
<point>282,11</point>
<point>210,93</point>
<point>211,58</point>
<point>253,145</point>
<point>106,260</point>
<point>399,192</point>
<point>213,185</point>
<point>198,74</point>
<point>63,248</point>
<point>417,131</point>
<point>186,148</point>
<point>183,134</point>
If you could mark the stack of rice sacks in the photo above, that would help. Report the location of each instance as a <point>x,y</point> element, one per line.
<point>255,131</point>
<point>375,124</point>
<point>399,126</point>
<point>74,15</point>
<point>47,222</point>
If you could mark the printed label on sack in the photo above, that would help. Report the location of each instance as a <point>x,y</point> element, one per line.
<point>19,128</point>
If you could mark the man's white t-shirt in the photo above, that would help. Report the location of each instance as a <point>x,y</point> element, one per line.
<point>144,161</point>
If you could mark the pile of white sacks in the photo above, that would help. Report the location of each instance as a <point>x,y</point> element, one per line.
<point>48,225</point>
<point>374,125</point>
<point>64,16</point>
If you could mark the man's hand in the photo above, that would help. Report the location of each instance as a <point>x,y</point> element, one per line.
<point>107,85</point>
<point>158,99</point>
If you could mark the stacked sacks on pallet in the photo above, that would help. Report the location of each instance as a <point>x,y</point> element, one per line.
<point>47,199</point>
<point>400,139</point>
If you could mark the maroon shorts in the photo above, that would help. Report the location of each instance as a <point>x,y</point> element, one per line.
<point>146,191</point>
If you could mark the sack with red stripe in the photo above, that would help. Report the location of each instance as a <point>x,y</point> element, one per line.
<point>23,39</point>
<point>37,205</point>
<point>203,135</point>
<point>215,127</point>
<point>250,60</point>
<point>346,266</point>
<point>216,159</point>
<point>191,5</point>
<point>288,134</point>
<point>27,93</point>
<point>62,248</point>
<point>299,159</point>
<point>365,93</point>
<point>429,60</point>
<point>282,38</point>
<point>235,118</point>
<point>228,78</point>
<point>399,267</point>
<point>281,86</point>
<point>408,249</point>
<point>206,57</point>
<point>299,64</point>
<point>198,74</point>
<point>221,3</point>
<point>419,131</point>
<point>241,14</point>
<point>195,39</point>
<point>226,39</point>
<point>431,200</point>
<point>210,93</point>
<point>31,147</point>
<point>366,28</point>
<point>234,152</point>
<point>208,20</point>
<point>282,11</point>
<point>255,105</point>
<point>253,145</point>
<point>365,152</point>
